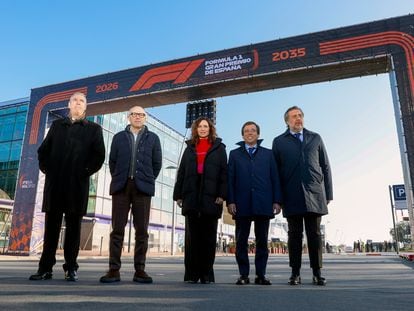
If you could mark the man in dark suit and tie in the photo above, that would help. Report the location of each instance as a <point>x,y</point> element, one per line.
<point>306,182</point>
<point>253,194</point>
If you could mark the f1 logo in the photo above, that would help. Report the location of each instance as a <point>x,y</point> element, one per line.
<point>179,73</point>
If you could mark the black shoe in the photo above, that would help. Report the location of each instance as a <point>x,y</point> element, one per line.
<point>192,281</point>
<point>318,280</point>
<point>294,280</point>
<point>71,276</point>
<point>111,276</point>
<point>41,276</point>
<point>205,280</point>
<point>243,280</point>
<point>141,276</point>
<point>262,281</point>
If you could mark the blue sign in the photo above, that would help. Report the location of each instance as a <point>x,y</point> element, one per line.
<point>400,201</point>
<point>399,192</point>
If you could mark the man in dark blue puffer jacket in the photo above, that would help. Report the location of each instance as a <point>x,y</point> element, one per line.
<point>134,162</point>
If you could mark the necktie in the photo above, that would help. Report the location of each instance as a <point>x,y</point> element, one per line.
<point>297,135</point>
<point>251,150</point>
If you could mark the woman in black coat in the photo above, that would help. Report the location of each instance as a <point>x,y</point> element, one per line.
<point>200,189</point>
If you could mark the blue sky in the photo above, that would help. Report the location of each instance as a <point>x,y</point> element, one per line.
<point>48,42</point>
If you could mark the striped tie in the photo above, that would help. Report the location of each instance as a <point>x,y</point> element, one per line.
<point>251,150</point>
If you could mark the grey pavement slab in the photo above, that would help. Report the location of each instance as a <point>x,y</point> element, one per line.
<point>354,283</point>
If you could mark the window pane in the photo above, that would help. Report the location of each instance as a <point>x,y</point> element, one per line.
<point>6,129</point>
<point>4,152</point>
<point>19,126</point>
<point>15,150</point>
<point>8,110</point>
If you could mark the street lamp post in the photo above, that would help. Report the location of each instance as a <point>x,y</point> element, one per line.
<point>173,216</point>
<point>173,230</point>
<point>172,167</point>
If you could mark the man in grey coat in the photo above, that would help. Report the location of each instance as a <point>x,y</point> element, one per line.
<point>306,182</point>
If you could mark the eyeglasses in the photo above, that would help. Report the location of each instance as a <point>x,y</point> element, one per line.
<point>137,114</point>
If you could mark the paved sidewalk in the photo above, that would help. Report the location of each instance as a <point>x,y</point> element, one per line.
<point>354,283</point>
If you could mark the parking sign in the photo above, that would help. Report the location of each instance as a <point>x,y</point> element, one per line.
<point>399,196</point>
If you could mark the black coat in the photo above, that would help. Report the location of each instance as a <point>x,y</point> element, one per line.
<point>148,161</point>
<point>70,153</point>
<point>199,195</point>
<point>305,174</point>
<point>253,182</point>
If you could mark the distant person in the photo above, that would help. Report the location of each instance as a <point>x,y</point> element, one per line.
<point>72,151</point>
<point>306,182</point>
<point>254,195</point>
<point>368,246</point>
<point>135,161</point>
<point>328,248</point>
<point>224,246</point>
<point>200,190</point>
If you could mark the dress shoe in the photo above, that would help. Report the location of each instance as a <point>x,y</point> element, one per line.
<point>243,280</point>
<point>192,281</point>
<point>71,276</point>
<point>318,280</point>
<point>205,280</point>
<point>294,280</point>
<point>41,276</point>
<point>141,276</point>
<point>261,280</point>
<point>111,276</point>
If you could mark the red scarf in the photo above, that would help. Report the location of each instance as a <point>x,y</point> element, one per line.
<point>201,150</point>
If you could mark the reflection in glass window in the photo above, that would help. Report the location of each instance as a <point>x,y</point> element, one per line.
<point>4,151</point>
<point>15,150</point>
<point>6,128</point>
<point>19,126</point>
<point>92,184</point>
<point>22,108</point>
<point>91,205</point>
<point>8,110</point>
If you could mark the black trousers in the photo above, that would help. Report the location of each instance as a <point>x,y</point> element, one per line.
<point>139,203</point>
<point>200,247</point>
<point>295,236</point>
<point>53,224</point>
<point>261,231</point>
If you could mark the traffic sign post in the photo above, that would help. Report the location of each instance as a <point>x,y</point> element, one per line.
<point>393,219</point>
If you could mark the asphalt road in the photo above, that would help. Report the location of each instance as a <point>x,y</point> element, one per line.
<point>355,282</point>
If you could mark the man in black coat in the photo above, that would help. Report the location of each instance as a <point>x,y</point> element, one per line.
<point>72,151</point>
<point>253,195</point>
<point>306,182</point>
<point>135,161</point>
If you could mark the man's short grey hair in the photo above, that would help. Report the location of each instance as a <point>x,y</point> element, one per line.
<point>290,109</point>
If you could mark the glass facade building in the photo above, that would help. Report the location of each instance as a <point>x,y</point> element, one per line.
<point>12,124</point>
